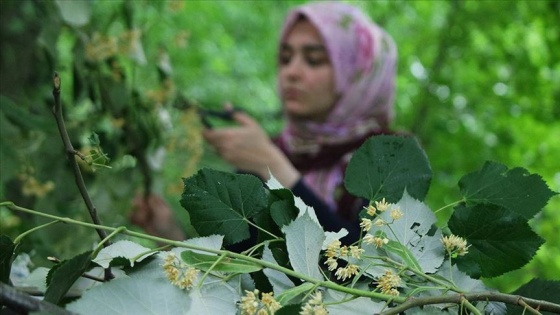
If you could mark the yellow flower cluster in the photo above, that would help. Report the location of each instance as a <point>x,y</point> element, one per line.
<point>455,245</point>
<point>389,282</point>
<point>178,272</point>
<point>334,251</point>
<point>366,224</point>
<point>100,47</point>
<point>376,240</point>
<point>32,187</point>
<point>252,305</point>
<point>380,206</point>
<point>396,214</point>
<point>314,306</point>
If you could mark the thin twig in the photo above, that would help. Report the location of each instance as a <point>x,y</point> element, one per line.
<point>70,154</point>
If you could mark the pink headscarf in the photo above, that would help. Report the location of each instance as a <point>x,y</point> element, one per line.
<point>363,57</point>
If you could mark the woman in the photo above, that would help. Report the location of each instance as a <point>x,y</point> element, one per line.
<point>336,75</point>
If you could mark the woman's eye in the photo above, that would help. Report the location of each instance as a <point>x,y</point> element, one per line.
<point>284,58</point>
<point>315,61</point>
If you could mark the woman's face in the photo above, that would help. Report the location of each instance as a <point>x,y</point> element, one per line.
<point>306,76</point>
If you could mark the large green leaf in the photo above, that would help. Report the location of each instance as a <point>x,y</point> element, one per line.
<point>515,189</point>
<point>411,239</point>
<point>340,303</point>
<point>279,281</point>
<point>385,165</point>
<point>304,238</point>
<point>65,275</point>
<point>138,295</point>
<point>6,253</point>
<point>500,240</point>
<point>282,208</point>
<point>131,251</point>
<point>222,203</point>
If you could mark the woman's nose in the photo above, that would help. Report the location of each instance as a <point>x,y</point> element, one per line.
<point>293,69</point>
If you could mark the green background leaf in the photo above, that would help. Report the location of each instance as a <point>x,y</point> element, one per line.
<point>515,189</point>
<point>385,165</point>
<point>500,240</point>
<point>220,203</point>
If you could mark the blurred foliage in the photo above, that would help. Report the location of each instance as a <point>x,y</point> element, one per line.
<point>478,80</point>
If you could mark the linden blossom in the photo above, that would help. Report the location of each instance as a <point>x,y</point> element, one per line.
<point>455,245</point>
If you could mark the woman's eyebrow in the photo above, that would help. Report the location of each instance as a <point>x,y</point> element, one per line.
<point>305,48</point>
<point>314,48</point>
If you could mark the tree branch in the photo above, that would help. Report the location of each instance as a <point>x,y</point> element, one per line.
<point>480,296</point>
<point>70,154</point>
<point>23,303</point>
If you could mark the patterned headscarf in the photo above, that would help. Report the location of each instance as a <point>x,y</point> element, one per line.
<point>363,57</point>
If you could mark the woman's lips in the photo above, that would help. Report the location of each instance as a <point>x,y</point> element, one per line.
<point>291,94</point>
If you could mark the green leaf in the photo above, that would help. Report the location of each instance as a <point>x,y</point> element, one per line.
<point>276,188</point>
<point>279,281</point>
<point>206,262</point>
<point>412,240</point>
<point>6,253</point>
<point>539,289</point>
<point>353,305</point>
<point>290,309</point>
<point>125,249</point>
<point>385,165</point>
<point>462,281</point>
<point>75,13</point>
<point>283,209</point>
<point>500,240</point>
<point>304,238</point>
<point>65,275</point>
<point>140,295</point>
<point>222,203</point>
<point>290,294</point>
<point>515,189</point>
<point>405,255</point>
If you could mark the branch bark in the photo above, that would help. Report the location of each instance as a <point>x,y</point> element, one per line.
<point>71,153</point>
<point>530,304</point>
<point>22,303</point>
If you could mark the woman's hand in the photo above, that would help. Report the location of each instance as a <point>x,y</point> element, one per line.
<point>248,148</point>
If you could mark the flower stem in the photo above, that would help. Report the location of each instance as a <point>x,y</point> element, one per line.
<point>470,306</point>
<point>24,234</point>
<point>106,239</point>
